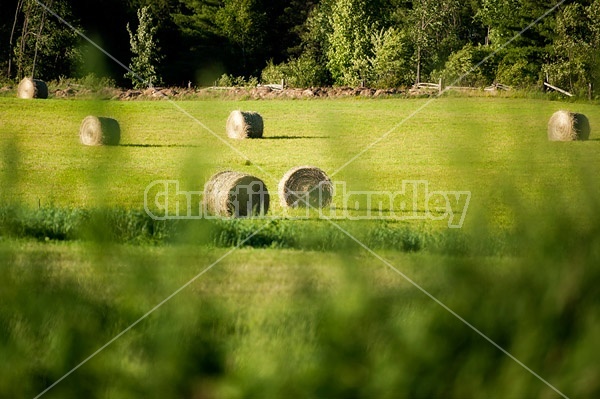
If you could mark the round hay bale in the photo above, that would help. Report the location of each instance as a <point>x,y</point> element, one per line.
<point>568,126</point>
<point>242,125</point>
<point>98,130</point>
<point>305,186</point>
<point>235,194</point>
<point>32,88</point>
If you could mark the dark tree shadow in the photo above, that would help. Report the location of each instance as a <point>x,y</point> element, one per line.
<point>161,145</point>
<point>293,137</point>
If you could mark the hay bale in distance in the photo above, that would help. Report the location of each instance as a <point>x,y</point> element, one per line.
<point>304,186</point>
<point>568,126</point>
<point>242,125</point>
<point>98,130</point>
<point>235,194</point>
<point>32,88</point>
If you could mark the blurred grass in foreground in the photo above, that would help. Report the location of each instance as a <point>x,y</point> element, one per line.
<point>274,323</point>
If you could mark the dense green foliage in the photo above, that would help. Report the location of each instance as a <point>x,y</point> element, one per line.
<point>380,43</point>
<point>41,45</point>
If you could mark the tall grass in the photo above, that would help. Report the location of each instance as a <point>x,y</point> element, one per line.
<point>120,225</point>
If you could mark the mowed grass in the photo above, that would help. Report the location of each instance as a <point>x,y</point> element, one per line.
<point>484,145</point>
<point>248,322</point>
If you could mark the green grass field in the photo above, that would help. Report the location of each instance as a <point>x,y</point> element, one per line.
<point>301,310</point>
<point>475,144</point>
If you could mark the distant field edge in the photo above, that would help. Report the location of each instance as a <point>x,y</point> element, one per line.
<point>61,91</point>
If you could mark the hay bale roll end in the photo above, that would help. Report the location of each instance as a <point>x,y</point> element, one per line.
<point>568,126</point>
<point>235,194</point>
<point>242,125</point>
<point>99,130</point>
<point>32,88</point>
<point>305,186</point>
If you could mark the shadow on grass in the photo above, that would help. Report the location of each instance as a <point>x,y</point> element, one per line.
<point>161,145</point>
<point>294,137</point>
<point>199,146</point>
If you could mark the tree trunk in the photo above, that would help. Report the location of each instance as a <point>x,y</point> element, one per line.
<point>418,64</point>
<point>37,39</point>
<point>23,44</point>
<point>12,34</point>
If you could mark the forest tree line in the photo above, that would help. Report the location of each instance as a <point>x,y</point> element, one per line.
<point>379,43</point>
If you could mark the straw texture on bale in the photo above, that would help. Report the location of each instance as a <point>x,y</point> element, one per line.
<point>235,194</point>
<point>242,125</point>
<point>32,88</point>
<point>98,130</point>
<point>568,126</point>
<point>304,186</point>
